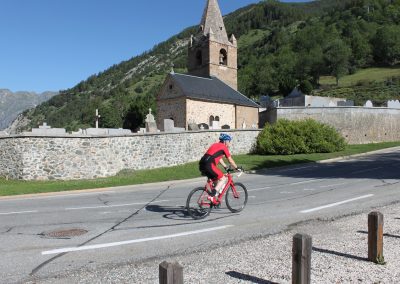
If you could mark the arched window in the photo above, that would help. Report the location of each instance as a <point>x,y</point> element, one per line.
<point>199,58</point>
<point>211,120</point>
<point>223,57</point>
<point>216,118</point>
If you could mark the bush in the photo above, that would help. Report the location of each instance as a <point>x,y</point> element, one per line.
<point>299,137</point>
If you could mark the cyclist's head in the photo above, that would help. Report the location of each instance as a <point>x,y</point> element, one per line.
<point>224,137</point>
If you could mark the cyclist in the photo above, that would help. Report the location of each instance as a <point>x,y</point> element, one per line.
<point>213,156</point>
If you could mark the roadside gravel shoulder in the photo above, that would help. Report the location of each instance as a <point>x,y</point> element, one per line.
<point>339,256</point>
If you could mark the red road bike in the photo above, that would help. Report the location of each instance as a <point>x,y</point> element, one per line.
<point>199,207</point>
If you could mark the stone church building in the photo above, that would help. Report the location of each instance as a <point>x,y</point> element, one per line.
<point>208,94</point>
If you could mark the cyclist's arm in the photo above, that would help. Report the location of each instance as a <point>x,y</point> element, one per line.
<point>232,162</point>
<point>222,163</point>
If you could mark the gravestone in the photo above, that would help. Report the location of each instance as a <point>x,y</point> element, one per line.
<point>169,125</point>
<point>45,129</point>
<point>203,126</point>
<point>151,126</point>
<point>345,103</point>
<point>97,131</point>
<point>244,125</point>
<point>79,132</point>
<point>193,126</point>
<point>368,104</point>
<point>393,104</point>
<point>215,124</point>
<point>179,129</point>
<point>331,104</point>
<point>118,131</point>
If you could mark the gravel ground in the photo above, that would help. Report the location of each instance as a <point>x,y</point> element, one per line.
<point>340,249</point>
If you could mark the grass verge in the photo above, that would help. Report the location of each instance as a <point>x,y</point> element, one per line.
<point>187,171</point>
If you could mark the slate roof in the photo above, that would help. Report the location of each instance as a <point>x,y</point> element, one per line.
<point>210,89</point>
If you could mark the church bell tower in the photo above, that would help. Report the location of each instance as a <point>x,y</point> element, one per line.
<point>210,52</point>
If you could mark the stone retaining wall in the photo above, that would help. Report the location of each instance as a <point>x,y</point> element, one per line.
<point>65,158</point>
<point>358,125</point>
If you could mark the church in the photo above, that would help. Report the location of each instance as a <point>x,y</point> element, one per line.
<point>208,94</point>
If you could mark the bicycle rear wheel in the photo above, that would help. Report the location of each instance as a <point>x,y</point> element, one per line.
<point>236,198</point>
<point>197,204</point>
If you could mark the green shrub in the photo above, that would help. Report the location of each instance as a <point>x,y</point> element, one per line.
<point>299,137</point>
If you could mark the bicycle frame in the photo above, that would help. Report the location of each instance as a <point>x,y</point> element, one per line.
<point>210,186</point>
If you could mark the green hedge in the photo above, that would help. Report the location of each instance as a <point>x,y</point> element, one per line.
<point>299,137</point>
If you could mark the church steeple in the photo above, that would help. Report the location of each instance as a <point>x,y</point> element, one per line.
<point>210,52</point>
<point>212,21</point>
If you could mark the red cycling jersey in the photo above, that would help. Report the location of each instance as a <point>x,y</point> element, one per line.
<point>217,150</point>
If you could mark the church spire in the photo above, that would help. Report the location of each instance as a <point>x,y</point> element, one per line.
<point>212,20</point>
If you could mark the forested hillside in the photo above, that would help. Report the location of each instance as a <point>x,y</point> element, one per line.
<point>281,45</point>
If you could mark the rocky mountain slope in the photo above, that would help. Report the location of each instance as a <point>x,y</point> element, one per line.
<point>13,104</point>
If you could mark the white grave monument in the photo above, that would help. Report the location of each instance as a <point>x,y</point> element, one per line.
<point>45,129</point>
<point>151,126</point>
<point>393,104</point>
<point>368,104</point>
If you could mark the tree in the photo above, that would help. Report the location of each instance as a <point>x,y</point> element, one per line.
<point>387,44</point>
<point>337,57</point>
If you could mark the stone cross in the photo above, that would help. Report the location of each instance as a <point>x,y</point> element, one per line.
<point>151,125</point>
<point>97,118</point>
<point>44,126</point>
<point>150,117</point>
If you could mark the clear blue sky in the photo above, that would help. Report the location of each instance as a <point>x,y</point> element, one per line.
<point>55,44</point>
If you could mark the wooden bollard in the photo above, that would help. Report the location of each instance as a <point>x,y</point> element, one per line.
<point>301,259</point>
<point>375,237</point>
<point>170,273</point>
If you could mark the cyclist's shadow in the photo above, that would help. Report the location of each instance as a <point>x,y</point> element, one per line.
<point>180,212</point>
<point>170,212</point>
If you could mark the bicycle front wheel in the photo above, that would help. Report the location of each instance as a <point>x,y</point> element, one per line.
<point>236,197</point>
<point>197,204</point>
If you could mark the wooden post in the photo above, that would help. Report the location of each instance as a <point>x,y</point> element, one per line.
<point>170,273</point>
<point>301,259</point>
<point>375,237</point>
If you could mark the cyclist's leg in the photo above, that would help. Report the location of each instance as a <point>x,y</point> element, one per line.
<point>221,179</point>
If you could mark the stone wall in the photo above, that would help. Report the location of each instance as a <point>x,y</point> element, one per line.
<point>247,115</point>
<point>65,158</point>
<point>357,124</point>
<point>200,112</point>
<point>172,109</point>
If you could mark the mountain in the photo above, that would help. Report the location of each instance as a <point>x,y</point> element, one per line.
<point>281,46</point>
<point>12,104</point>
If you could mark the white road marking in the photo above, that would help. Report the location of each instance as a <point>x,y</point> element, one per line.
<point>336,184</point>
<point>367,170</point>
<point>337,203</point>
<point>286,184</point>
<point>18,212</point>
<point>305,181</point>
<point>21,198</point>
<point>110,206</point>
<point>310,189</point>
<point>257,189</point>
<point>71,249</point>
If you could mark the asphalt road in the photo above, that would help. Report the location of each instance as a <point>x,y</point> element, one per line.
<point>128,224</point>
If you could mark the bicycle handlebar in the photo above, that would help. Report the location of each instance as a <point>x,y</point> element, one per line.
<point>239,169</point>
